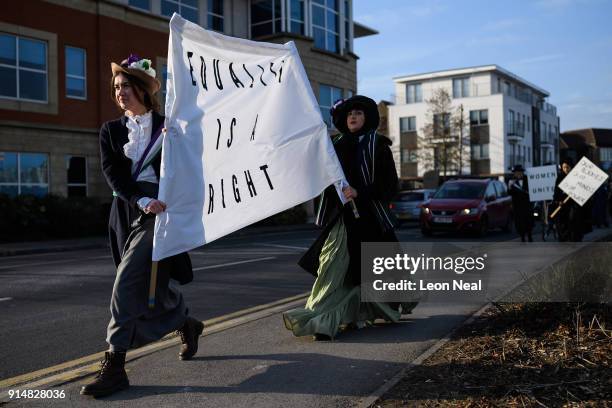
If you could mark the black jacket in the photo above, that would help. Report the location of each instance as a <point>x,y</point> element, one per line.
<point>368,227</point>
<point>117,169</point>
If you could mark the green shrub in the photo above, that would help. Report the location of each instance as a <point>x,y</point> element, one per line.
<point>29,218</point>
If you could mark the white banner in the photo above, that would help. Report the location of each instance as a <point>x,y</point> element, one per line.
<point>245,137</point>
<point>582,182</point>
<point>541,182</point>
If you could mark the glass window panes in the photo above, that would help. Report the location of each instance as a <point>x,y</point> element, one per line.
<point>479,117</point>
<point>461,87</point>
<point>325,22</point>
<point>24,173</point>
<point>8,82</point>
<point>32,85</point>
<point>23,68</point>
<point>188,9</point>
<point>75,73</point>
<point>33,168</point>
<point>8,167</point>
<point>215,15</point>
<point>141,4</point>
<point>414,93</point>
<point>265,17</point>
<point>32,54</point>
<point>328,95</point>
<point>408,124</point>
<point>8,49</point>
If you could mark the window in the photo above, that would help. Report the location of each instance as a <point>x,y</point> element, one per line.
<point>506,87</point>
<point>188,9</point>
<point>24,173</point>
<point>490,192</point>
<point>480,151</point>
<point>441,120</point>
<point>479,117</point>
<point>408,156</point>
<point>528,123</point>
<point>414,93</point>
<point>347,25</point>
<point>500,189</point>
<point>328,95</point>
<point>76,77</point>
<point>326,25</point>
<point>408,124</point>
<point>141,4</point>
<point>23,68</point>
<point>461,87</point>
<point>215,15</point>
<point>605,154</point>
<point>265,17</point>
<point>76,176</point>
<point>296,17</point>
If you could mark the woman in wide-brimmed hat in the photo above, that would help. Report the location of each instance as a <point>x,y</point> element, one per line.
<point>130,150</point>
<point>334,258</point>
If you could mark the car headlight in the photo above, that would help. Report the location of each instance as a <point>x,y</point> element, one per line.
<point>426,210</point>
<point>469,211</point>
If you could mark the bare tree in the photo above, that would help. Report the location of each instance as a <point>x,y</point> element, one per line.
<point>442,141</point>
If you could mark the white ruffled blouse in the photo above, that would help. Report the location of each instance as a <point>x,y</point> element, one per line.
<point>140,128</point>
<point>139,135</point>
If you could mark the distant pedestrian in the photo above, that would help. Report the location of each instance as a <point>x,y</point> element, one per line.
<point>599,211</point>
<point>573,220</point>
<point>130,150</point>
<point>334,259</point>
<point>522,208</point>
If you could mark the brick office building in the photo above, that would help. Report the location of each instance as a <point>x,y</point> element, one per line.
<point>55,72</point>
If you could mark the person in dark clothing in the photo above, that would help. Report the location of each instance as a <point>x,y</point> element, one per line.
<point>572,221</point>
<point>334,258</point>
<point>130,149</point>
<point>522,208</point>
<point>599,213</point>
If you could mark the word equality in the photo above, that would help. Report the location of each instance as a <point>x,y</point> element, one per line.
<point>239,75</point>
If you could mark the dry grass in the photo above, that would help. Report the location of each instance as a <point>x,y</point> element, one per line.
<point>523,355</point>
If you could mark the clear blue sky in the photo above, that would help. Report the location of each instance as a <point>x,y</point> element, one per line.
<point>562,46</point>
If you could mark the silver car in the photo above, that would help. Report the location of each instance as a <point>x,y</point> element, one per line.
<point>406,205</point>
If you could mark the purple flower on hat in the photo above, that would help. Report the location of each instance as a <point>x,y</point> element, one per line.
<point>335,106</point>
<point>133,58</point>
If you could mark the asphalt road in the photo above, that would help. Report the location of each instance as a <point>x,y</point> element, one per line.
<point>54,307</point>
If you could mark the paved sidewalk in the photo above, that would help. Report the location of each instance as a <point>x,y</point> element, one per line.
<point>61,245</point>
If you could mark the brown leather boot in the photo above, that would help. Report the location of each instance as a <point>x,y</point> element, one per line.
<point>111,377</point>
<point>190,333</point>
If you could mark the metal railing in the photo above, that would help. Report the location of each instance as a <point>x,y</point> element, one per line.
<point>516,129</point>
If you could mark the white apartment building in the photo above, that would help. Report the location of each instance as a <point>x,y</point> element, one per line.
<point>510,120</point>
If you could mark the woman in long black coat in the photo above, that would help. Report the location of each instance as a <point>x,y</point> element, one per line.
<point>334,258</point>
<point>521,206</point>
<point>130,149</point>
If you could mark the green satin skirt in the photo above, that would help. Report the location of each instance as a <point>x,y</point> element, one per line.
<point>334,303</point>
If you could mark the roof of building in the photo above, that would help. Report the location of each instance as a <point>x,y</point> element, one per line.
<point>596,137</point>
<point>361,30</point>
<point>467,71</point>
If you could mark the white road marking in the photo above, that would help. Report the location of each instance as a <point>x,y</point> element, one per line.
<point>233,263</point>
<point>5,299</point>
<point>283,246</point>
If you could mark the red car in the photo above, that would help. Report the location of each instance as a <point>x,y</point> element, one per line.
<point>475,205</point>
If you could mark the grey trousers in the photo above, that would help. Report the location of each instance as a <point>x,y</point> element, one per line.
<point>132,323</point>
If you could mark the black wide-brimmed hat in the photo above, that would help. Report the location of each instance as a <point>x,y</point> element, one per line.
<point>140,68</point>
<point>517,168</point>
<point>341,108</point>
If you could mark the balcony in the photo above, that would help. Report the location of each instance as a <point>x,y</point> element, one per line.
<point>516,131</point>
